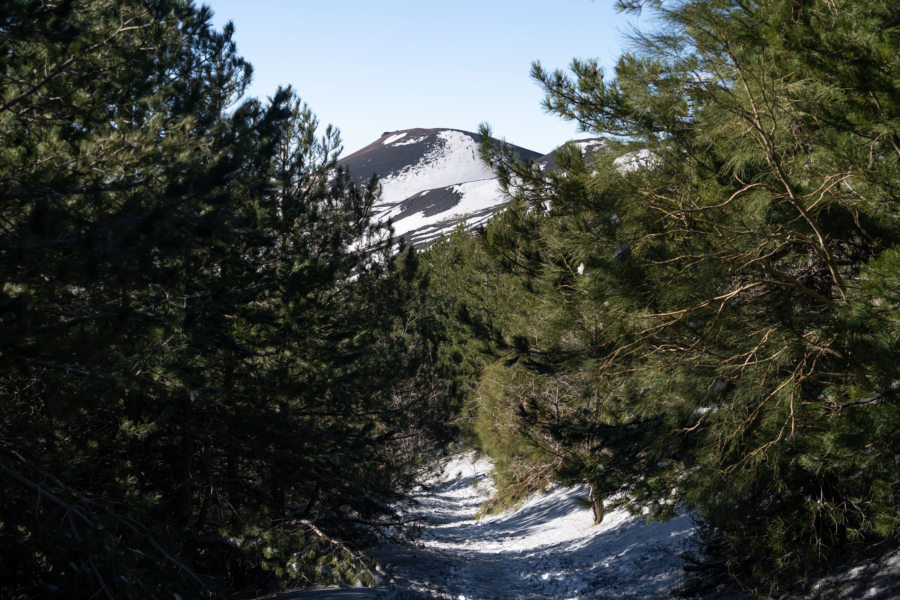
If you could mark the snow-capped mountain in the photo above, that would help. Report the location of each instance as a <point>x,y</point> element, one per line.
<point>431,180</point>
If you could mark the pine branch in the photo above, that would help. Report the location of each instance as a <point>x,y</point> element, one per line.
<point>91,505</point>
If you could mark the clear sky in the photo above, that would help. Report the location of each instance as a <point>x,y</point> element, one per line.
<point>370,66</point>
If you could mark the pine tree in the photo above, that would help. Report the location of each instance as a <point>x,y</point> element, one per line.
<point>211,378</point>
<point>722,338</point>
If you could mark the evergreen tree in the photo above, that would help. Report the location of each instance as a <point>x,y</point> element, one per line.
<point>210,377</point>
<point>712,298</point>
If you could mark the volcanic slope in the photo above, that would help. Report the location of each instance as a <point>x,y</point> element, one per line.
<point>431,180</point>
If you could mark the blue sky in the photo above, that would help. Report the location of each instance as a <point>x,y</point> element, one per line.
<point>370,66</point>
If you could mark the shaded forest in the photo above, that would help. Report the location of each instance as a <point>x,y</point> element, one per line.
<point>219,376</point>
<point>206,382</point>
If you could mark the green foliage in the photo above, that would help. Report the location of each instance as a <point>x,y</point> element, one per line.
<point>721,312</point>
<point>208,354</point>
<point>521,466</point>
<point>474,299</point>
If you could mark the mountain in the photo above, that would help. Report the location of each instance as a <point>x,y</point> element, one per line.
<point>431,180</point>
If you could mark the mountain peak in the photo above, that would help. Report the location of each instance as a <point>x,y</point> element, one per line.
<point>402,137</point>
<point>431,180</point>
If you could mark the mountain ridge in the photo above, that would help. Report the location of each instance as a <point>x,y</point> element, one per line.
<point>431,181</point>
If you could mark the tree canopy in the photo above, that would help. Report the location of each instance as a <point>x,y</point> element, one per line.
<point>705,314</point>
<point>218,373</point>
<point>210,377</point>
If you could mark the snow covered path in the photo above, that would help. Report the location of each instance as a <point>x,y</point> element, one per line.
<point>546,548</point>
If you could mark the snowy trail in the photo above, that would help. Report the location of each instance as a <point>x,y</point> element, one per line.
<point>546,548</point>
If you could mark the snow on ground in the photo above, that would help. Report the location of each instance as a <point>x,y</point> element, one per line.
<point>452,160</point>
<point>546,548</point>
<point>873,574</point>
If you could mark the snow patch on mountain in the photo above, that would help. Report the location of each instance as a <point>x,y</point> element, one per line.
<point>414,140</point>
<point>452,160</point>
<point>591,145</point>
<point>473,203</point>
<point>635,161</point>
<point>390,140</point>
<point>477,195</point>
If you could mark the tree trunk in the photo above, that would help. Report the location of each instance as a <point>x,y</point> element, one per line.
<point>597,506</point>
